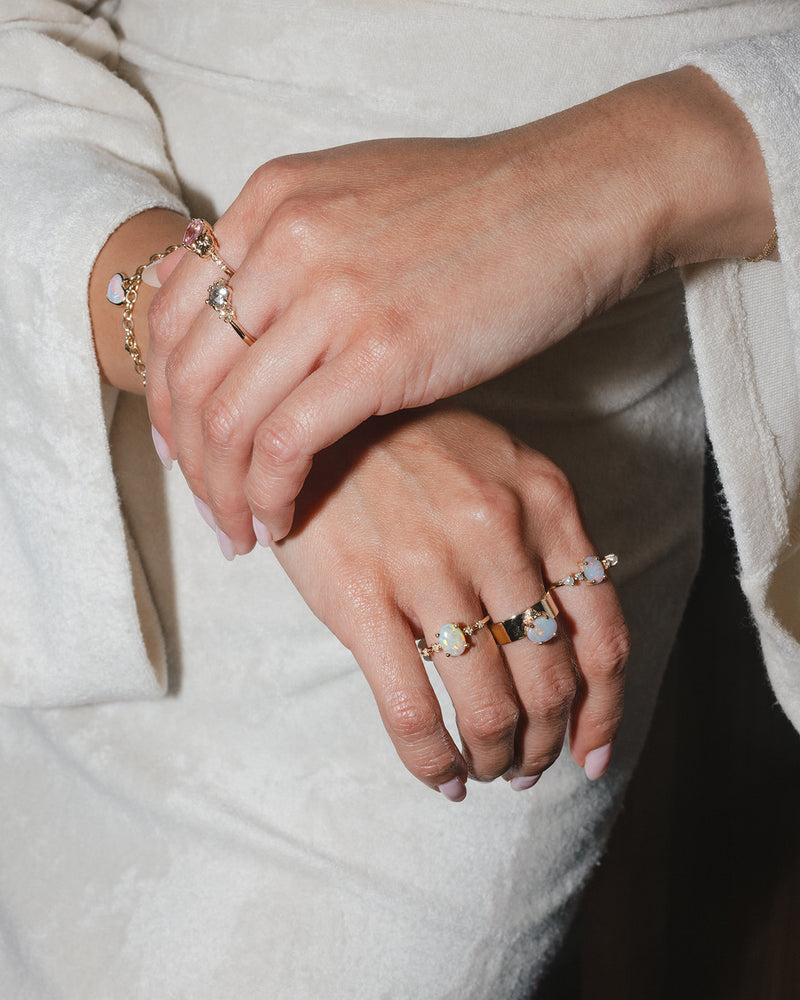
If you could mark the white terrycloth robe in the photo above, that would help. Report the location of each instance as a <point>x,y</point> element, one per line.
<point>198,798</point>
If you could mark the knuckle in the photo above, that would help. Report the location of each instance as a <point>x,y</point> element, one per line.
<point>491,723</point>
<point>494,511</point>
<point>221,424</point>
<point>611,651</point>
<point>182,381</point>
<point>277,444</point>
<point>409,718</point>
<point>296,223</point>
<point>555,694</point>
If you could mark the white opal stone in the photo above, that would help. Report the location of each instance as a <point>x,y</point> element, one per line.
<point>593,570</point>
<point>542,630</point>
<point>115,292</point>
<point>452,640</point>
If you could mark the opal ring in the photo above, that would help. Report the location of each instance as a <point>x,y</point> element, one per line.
<point>537,623</point>
<point>452,640</point>
<point>219,298</point>
<point>593,570</point>
<point>200,239</point>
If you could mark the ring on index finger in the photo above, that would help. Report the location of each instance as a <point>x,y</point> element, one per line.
<point>201,239</point>
<point>451,639</point>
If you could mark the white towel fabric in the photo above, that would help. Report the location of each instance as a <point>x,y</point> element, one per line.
<point>252,833</point>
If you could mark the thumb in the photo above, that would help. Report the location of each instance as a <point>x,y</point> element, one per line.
<point>156,274</point>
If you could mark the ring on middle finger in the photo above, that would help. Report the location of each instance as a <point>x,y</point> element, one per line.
<point>220,296</point>
<point>537,623</point>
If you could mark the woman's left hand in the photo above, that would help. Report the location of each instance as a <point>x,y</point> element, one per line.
<point>417,520</point>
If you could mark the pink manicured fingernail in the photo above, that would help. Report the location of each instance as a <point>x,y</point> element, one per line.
<point>263,533</point>
<point>162,449</point>
<point>205,512</point>
<point>150,276</point>
<point>596,762</point>
<point>226,545</point>
<point>455,790</point>
<point>520,784</point>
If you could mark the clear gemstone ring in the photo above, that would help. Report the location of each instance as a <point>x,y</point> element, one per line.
<point>219,298</point>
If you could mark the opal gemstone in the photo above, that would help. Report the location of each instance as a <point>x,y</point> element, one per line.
<point>115,292</point>
<point>452,640</point>
<point>593,570</point>
<point>193,230</point>
<point>542,630</point>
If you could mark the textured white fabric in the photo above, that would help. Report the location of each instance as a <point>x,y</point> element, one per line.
<point>252,833</point>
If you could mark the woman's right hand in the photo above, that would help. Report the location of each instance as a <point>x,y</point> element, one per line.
<point>417,520</point>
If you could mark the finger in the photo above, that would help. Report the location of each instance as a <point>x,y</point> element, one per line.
<point>601,642</point>
<point>408,705</point>
<point>485,703</point>
<point>543,674</point>
<point>328,404</point>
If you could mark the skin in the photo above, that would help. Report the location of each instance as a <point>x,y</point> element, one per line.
<point>391,274</point>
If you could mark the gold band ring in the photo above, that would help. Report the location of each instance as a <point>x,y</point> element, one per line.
<point>537,623</point>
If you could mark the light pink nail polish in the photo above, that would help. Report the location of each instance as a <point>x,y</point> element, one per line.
<point>519,784</point>
<point>150,276</point>
<point>263,533</point>
<point>597,762</point>
<point>205,512</point>
<point>162,449</point>
<point>455,790</point>
<point>226,545</point>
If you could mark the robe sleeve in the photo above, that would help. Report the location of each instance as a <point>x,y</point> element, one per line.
<point>81,152</point>
<point>745,325</point>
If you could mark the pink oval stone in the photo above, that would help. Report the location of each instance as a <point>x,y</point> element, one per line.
<point>193,230</point>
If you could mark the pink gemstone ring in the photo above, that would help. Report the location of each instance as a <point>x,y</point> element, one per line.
<point>200,239</point>
<point>593,570</point>
<point>451,639</point>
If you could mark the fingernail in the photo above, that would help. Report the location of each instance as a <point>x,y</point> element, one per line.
<point>520,784</point>
<point>263,533</point>
<point>162,449</point>
<point>205,512</point>
<point>455,790</point>
<point>596,762</point>
<point>150,276</point>
<point>226,545</point>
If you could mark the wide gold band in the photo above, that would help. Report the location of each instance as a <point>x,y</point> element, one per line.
<point>514,628</point>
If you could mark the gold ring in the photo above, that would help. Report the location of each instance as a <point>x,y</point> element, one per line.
<point>593,570</point>
<point>451,639</point>
<point>219,298</point>
<point>537,623</point>
<point>200,239</point>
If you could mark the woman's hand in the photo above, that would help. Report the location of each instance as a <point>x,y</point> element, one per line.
<point>416,521</point>
<point>389,274</point>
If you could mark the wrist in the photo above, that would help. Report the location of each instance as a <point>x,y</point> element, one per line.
<point>709,187</point>
<point>129,246</point>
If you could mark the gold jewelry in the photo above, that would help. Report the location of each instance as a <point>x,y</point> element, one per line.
<point>452,640</point>
<point>769,246</point>
<point>200,239</point>
<point>537,623</point>
<point>123,290</point>
<point>593,570</point>
<point>219,298</point>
